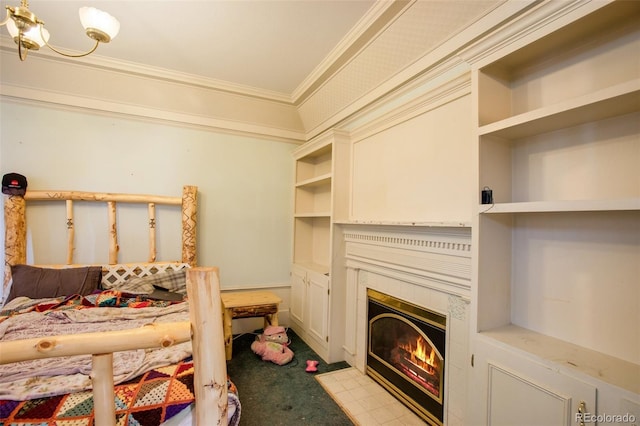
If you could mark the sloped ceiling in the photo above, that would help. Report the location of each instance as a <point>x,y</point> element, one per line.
<point>282,68</point>
<point>271,45</point>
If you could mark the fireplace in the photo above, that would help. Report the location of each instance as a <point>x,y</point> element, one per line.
<point>426,266</point>
<point>405,353</point>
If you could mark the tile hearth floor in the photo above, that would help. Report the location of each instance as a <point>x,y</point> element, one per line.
<point>364,401</point>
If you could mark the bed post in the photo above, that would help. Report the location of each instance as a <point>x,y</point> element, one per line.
<point>189,211</point>
<point>210,374</point>
<point>104,408</point>
<point>15,237</point>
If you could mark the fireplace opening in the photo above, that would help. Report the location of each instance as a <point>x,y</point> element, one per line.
<point>405,353</point>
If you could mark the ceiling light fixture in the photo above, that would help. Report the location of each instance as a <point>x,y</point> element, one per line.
<point>29,33</point>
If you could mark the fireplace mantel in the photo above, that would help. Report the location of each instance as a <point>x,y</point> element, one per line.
<point>434,257</point>
<point>423,264</point>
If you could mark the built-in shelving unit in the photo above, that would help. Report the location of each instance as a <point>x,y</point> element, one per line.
<point>559,145</point>
<point>321,185</point>
<point>313,209</point>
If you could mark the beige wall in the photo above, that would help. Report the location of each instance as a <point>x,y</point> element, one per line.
<point>419,170</point>
<point>98,84</point>
<point>244,184</point>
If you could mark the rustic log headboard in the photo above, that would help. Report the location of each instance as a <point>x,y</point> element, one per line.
<point>16,229</point>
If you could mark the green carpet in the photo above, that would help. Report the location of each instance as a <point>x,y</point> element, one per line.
<point>271,394</point>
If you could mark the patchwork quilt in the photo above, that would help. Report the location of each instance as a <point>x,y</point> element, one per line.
<point>148,400</point>
<point>53,376</point>
<point>151,385</point>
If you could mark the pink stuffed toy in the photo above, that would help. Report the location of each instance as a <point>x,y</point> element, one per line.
<point>272,346</point>
<point>276,334</point>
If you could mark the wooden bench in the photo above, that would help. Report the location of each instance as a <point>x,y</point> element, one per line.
<point>247,304</point>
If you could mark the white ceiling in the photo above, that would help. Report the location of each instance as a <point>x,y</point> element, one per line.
<point>272,45</point>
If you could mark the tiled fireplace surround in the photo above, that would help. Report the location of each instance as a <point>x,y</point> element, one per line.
<point>429,266</point>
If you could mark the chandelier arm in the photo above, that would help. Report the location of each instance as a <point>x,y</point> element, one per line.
<point>20,49</point>
<point>69,55</point>
<point>6,19</point>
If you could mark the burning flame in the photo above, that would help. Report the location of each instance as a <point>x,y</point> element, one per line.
<point>422,352</point>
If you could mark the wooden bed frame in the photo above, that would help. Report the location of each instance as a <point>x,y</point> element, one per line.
<point>203,288</point>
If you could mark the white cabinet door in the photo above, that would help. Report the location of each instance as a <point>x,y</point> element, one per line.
<point>298,295</point>
<point>309,310</point>
<point>511,389</point>
<point>318,306</point>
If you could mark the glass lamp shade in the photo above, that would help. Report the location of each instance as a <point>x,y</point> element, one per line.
<point>32,37</point>
<point>95,19</point>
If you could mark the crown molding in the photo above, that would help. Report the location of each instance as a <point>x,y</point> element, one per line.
<point>440,56</point>
<point>48,81</point>
<point>67,102</point>
<point>530,23</point>
<point>378,17</point>
<point>421,99</point>
<point>382,13</point>
<point>508,26</point>
<point>104,63</point>
<point>369,25</point>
